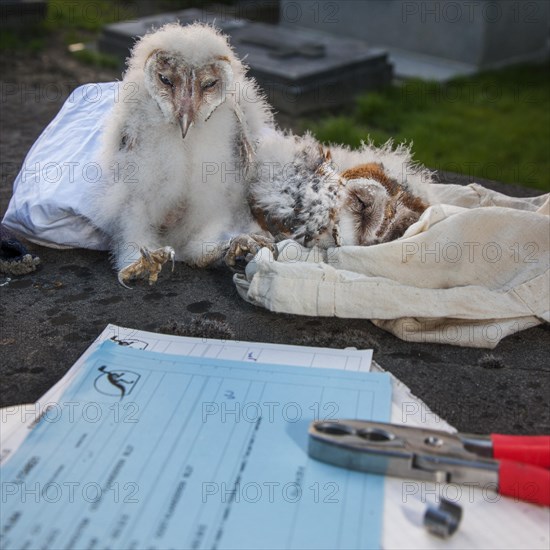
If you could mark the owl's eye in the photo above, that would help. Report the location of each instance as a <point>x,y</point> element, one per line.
<point>165,80</point>
<point>209,84</point>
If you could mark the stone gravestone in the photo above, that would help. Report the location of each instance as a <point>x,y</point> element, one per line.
<point>433,39</point>
<point>299,71</point>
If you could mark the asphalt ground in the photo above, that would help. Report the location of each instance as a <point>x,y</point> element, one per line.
<point>49,317</point>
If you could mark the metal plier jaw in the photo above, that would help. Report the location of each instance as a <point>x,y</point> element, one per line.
<point>403,451</point>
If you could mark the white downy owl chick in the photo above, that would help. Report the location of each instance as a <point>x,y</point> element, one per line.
<point>175,150</point>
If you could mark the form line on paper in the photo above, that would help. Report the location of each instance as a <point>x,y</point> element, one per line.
<point>227,511</point>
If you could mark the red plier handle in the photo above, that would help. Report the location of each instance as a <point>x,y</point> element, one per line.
<point>524,463</point>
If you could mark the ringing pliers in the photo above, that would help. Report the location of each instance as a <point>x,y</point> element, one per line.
<point>514,466</point>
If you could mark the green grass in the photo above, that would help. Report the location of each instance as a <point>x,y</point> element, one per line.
<point>97,59</point>
<point>82,21</point>
<point>92,15</point>
<point>74,20</point>
<point>29,40</point>
<point>87,15</point>
<point>494,125</point>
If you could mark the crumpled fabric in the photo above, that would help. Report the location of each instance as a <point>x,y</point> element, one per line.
<point>49,205</point>
<point>472,270</point>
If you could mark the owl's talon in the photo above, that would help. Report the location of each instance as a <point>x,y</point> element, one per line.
<point>243,248</point>
<point>121,280</point>
<point>148,266</point>
<point>145,254</point>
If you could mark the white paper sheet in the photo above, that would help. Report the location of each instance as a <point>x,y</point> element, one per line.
<point>489,521</point>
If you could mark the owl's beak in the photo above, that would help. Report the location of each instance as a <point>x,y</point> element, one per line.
<point>186,121</point>
<point>187,101</point>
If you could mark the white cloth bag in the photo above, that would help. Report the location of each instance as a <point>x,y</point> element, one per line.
<point>471,271</point>
<point>49,205</point>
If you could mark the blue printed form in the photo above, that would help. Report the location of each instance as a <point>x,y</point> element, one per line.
<point>149,450</point>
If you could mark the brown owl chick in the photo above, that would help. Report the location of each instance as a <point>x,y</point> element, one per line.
<point>375,208</point>
<point>306,198</point>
